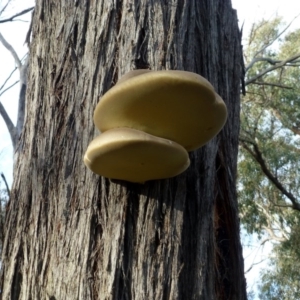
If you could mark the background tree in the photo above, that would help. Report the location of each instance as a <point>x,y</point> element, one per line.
<point>269,158</point>
<point>73,235</point>
<point>15,130</point>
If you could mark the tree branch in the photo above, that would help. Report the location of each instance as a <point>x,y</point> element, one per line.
<point>10,126</point>
<point>277,66</point>
<point>8,88</point>
<point>271,220</point>
<point>281,205</point>
<point>2,86</point>
<point>272,84</point>
<point>5,182</point>
<point>257,59</point>
<point>4,7</point>
<point>257,155</point>
<point>254,264</point>
<point>276,37</point>
<point>11,50</point>
<point>22,95</point>
<point>23,12</point>
<point>273,236</point>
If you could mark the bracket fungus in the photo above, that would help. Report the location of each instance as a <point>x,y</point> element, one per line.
<point>136,156</point>
<point>176,105</point>
<point>149,120</point>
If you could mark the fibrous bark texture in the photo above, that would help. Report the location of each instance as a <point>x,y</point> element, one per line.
<point>71,234</point>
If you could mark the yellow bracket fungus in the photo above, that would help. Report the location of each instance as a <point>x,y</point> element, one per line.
<point>149,120</point>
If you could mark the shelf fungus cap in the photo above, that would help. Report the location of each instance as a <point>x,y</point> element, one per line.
<point>176,105</point>
<point>135,156</point>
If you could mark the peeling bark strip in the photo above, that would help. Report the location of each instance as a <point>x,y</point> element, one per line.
<point>73,235</point>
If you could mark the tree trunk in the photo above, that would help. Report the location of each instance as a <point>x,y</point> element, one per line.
<point>71,234</point>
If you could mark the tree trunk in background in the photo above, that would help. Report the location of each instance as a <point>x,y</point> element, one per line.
<point>71,234</point>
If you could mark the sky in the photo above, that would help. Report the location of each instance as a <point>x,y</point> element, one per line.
<point>15,32</point>
<point>254,10</point>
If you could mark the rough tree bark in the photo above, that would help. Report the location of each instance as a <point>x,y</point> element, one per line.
<point>73,235</point>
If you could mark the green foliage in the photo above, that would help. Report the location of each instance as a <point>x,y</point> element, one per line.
<point>281,281</point>
<point>261,35</point>
<point>270,119</point>
<point>269,164</point>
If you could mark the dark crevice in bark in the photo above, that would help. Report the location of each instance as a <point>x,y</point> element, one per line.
<point>141,53</point>
<point>75,35</point>
<point>84,28</point>
<point>124,291</point>
<point>18,277</point>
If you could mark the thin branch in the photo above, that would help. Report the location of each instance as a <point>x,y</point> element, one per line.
<point>8,88</point>
<point>273,236</point>
<point>4,7</point>
<point>273,84</point>
<point>5,182</point>
<point>271,220</point>
<point>277,66</point>
<point>270,61</point>
<point>15,131</point>
<point>253,261</point>
<point>281,205</point>
<point>257,59</point>
<point>254,264</point>
<point>23,12</point>
<point>278,35</point>
<point>268,239</point>
<point>254,28</point>
<point>10,126</point>
<point>257,155</point>
<point>295,63</point>
<point>11,50</point>
<point>20,20</point>
<point>2,86</point>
